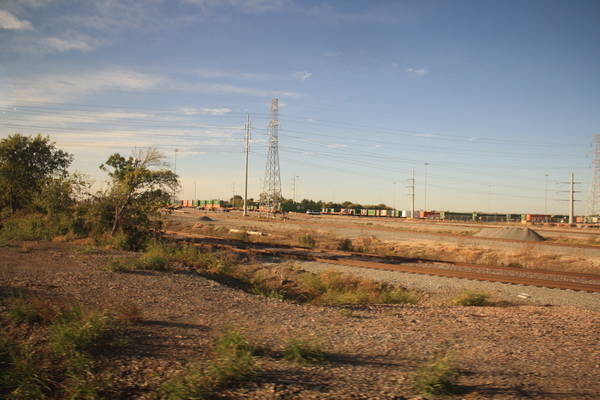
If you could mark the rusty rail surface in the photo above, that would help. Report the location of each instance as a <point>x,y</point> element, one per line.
<point>400,264</point>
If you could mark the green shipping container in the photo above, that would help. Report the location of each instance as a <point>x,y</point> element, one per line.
<point>371,212</point>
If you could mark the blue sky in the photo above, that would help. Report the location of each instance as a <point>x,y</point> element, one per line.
<point>493,96</point>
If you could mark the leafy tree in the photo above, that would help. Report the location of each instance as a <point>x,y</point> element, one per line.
<point>26,164</point>
<point>136,195</point>
<point>236,201</point>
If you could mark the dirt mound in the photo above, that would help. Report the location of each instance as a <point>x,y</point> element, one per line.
<point>511,233</point>
<point>205,218</point>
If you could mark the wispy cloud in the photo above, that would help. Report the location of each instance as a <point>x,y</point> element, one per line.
<point>332,53</point>
<point>64,45</point>
<point>205,111</point>
<point>417,72</point>
<point>242,5</point>
<point>212,74</point>
<point>337,145</point>
<point>10,22</point>
<point>302,75</point>
<point>73,86</point>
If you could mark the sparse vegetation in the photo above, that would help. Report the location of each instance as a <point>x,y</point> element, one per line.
<point>471,298</point>
<point>307,240</point>
<point>61,363</point>
<point>436,377</point>
<point>232,363</point>
<point>332,287</point>
<point>345,245</point>
<point>302,352</point>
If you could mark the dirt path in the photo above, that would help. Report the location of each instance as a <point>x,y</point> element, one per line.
<point>503,353</point>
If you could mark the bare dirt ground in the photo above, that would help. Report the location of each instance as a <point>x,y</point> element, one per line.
<point>502,352</point>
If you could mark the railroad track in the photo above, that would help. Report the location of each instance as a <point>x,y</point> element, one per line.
<point>501,274</point>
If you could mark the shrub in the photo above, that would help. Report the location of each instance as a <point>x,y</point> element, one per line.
<point>30,310</point>
<point>302,352</point>
<point>36,227</point>
<point>77,330</point>
<point>22,375</point>
<point>436,377</point>
<point>155,258</point>
<point>307,240</point>
<point>115,265</point>
<point>470,298</point>
<point>233,362</point>
<point>345,245</point>
<point>333,287</point>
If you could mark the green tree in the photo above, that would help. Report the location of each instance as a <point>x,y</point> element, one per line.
<point>26,165</point>
<point>139,188</point>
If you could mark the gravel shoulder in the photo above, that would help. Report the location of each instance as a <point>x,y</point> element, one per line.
<point>503,352</point>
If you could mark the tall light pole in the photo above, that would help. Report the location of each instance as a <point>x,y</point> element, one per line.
<point>546,194</point>
<point>426,164</point>
<point>394,197</point>
<point>246,148</point>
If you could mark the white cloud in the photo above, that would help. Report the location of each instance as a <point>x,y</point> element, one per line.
<point>9,22</point>
<point>337,145</point>
<point>63,45</point>
<point>208,111</point>
<point>302,75</point>
<point>211,74</point>
<point>332,53</point>
<point>417,72</point>
<point>425,135</point>
<point>243,5</point>
<point>72,86</point>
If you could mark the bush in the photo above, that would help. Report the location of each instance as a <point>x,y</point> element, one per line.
<point>36,227</point>
<point>307,241</point>
<point>345,245</point>
<point>302,352</point>
<point>436,377</point>
<point>469,298</point>
<point>115,265</point>
<point>233,362</point>
<point>333,287</point>
<point>155,258</point>
<point>30,310</point>
<point>22,375</point>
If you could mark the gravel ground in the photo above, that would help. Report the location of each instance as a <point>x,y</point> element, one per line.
<point>501,352</point>
<point>442,288</point>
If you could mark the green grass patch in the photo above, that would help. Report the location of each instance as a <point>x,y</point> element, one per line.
<point>303,352</point>
<point>333,287</point>
<point>471,298</point>
<point>155,258</point>
<point>436,377</point>
<point>232,363</point>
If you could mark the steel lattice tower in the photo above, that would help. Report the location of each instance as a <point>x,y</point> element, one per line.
<point>271,196</point>
<point>594,199</point>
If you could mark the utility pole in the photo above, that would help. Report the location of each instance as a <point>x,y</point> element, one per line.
<point>246,145</point>
<point>571,200</point>
<point>412,194</point>
<point>233,196</point>
<point>195,198</point>
<point>546,194</point>
<point>426,164</point>
<point>294,187</point>
<point>394,197</point>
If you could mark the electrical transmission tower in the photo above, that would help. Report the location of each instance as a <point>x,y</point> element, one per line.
<point>594,195</point>
<point>271,195</point>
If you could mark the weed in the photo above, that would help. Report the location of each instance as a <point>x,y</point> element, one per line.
<point>155,258</point>
<point>115,265</point>
<point>32,310</point>
<point>77,330</point>
<point>345,245</point>
<point>302,352</point>
<point>436,377</point>
<point>470,298</point>
<point>233,362</point>
<point>307,240</point>
<point>21,376</point>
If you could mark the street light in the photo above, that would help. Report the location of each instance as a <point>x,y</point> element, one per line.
<point>294,186</point>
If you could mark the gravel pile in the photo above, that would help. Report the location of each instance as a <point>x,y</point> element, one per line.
<point>512,233</point>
